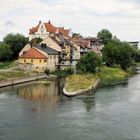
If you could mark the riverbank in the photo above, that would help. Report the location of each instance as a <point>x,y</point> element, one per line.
<point>78,83</point>
<point>16,81</point>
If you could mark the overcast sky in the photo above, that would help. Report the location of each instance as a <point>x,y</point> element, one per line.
<point>87,17</point>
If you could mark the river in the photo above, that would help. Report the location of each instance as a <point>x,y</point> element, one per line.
<point>41,112</point>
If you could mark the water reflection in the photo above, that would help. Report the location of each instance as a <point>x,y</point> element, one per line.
<point>39,92</point>
<point>89,101</point>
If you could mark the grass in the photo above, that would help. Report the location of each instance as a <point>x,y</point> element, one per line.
<point>107,75</point>
<point>77,82</point>
<point>110,76</point>
<point>8,64</point>
<point>6,75</point>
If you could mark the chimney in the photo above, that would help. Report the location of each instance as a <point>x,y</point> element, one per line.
<point>49,22</point>
<point>39,21</point>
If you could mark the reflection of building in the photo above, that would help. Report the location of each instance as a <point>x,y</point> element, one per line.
<point>47,94</point>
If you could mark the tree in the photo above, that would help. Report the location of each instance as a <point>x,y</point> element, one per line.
<point>105,35</point>
<point>119,53</point>
<point>5,52</point>
<point>89,63</point>
<point>16,42</point>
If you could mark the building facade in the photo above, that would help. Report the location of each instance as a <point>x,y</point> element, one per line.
<point>43,29</point>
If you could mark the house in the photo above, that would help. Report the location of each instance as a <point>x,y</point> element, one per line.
<point>42,30</point>
<point>83,44</point>
<point>96,45</point>
<point>38,58</point>
<point>65,46</point>
<point>134,44</point>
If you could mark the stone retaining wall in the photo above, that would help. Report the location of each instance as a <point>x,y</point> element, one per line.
<point>22,80</point>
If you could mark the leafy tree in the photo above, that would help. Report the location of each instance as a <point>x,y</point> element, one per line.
<point>16,42</point>
<point>137,57</point>
<point>5,52</point>
<point>119,53</point>
<point>105,35</point>
<point>89,63</point>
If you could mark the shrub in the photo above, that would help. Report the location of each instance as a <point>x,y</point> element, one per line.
<point>89,63</point>
<point>47,71</point>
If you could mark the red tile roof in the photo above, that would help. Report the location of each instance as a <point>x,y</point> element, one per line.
<point>51,29</point>
<point>33,53</point>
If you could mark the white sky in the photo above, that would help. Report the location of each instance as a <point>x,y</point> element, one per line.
<point>121,17</point>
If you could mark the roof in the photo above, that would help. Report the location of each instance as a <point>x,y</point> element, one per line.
<point>61,40</point>
<point>50,28</point>
<point>83,43</point>
<point>32,53</point>
<point>46,49</point>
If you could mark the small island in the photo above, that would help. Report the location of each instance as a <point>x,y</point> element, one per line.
<point>78,84</point>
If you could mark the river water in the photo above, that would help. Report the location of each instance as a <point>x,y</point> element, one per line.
<point>41,112</point>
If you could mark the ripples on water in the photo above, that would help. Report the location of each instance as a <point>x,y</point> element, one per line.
<point>38,112</point>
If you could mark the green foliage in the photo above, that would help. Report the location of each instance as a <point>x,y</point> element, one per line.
<point>63,73</point>
<point>16,42</point>
<point>105,35</point>
<point>89,63</point>
<point>111,76</point>
<point>119,53</point>
<point>47,71</point>
<point>5,52</point>
<point>137,56</point>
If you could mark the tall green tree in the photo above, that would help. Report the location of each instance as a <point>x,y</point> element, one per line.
<point>5,52</point>
<point>105,35</point>
<point>119,53</point>
<point>16,42</point>
<point>89,63</point>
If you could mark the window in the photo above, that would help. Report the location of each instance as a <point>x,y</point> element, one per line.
<point>31,60</point>
<point>50,57</point>
<point>54,57</point>
<point>24,60</point>
<point>40,60</point>
<point>45,60</point>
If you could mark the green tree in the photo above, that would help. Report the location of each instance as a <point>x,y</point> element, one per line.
<point>105,35</point>
<point>119,53</point>
<point>16,42</point>
<point>5,52</point>
<point>89,63</point>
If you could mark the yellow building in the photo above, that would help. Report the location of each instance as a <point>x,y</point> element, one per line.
<point>39,58</point>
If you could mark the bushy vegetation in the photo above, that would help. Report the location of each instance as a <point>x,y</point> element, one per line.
<point>107,75</point>
<point>47,71</point>
<point>119,53</point>
<point>8,64</point>
<point>63,73</point>
<point>105,35</point>
<point>89,63</point>
<point>6,53</point>
<point>110,75</point>
<point>11,46</point>
<point>77,82</point>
